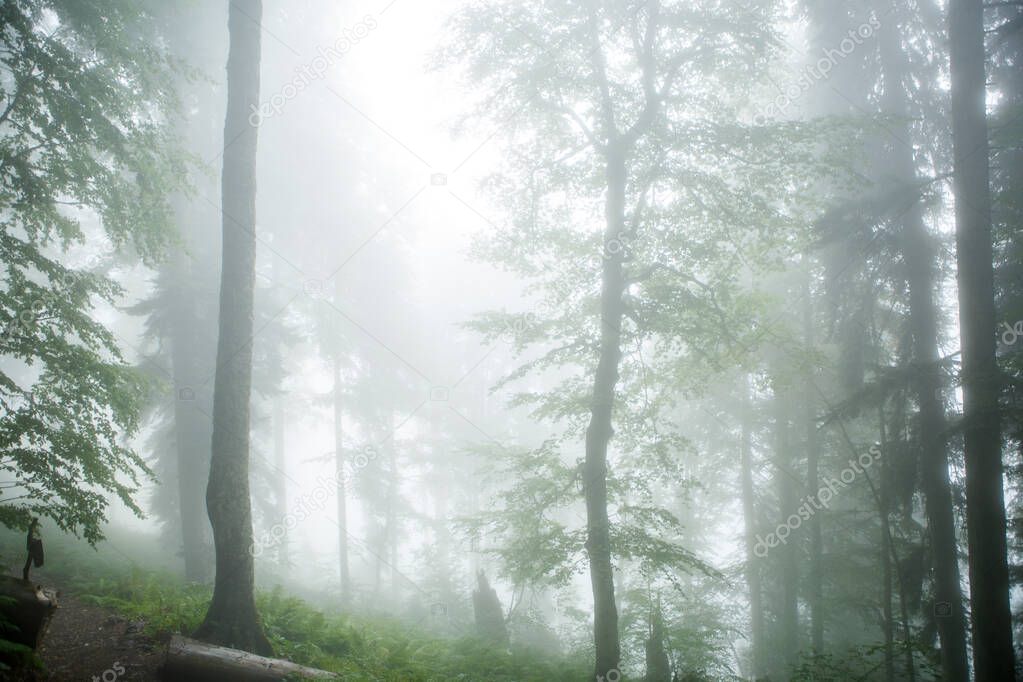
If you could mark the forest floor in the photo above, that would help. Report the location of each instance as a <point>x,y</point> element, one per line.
<point>87,642</point>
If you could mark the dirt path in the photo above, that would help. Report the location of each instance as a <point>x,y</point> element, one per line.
<point>86,642</point>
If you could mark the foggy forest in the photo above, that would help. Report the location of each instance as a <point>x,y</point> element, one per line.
<point>511,340</point>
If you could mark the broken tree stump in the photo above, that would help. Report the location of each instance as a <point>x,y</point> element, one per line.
<point>28,608</point>
<point>25,613</point>
<point>195,661</point>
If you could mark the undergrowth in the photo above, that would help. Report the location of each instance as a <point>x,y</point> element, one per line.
<point>360,648</point>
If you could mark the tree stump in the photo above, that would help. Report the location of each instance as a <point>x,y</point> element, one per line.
<point>25,613</point>
<point>194,661</point>
<point>28,608</point>
<point>490,622</point>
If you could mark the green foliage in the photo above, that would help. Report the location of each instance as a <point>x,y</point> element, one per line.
<point>710,204</point>
<point>12,654</point>
<point>376,649</point>
<point>865,663</point>
<point>83,152</point>
<point>359,649</point>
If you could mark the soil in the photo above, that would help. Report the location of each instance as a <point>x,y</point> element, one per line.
<point>87,642</point>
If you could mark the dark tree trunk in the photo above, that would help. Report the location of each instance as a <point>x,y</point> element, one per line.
<point>901,570</point>
<point>919,257</point>
<point>753,564</point>
<point>599,431</point>
<point>658,668</point>
<point>232,619</point>
<point>490,623</point>
<point>985,504</point>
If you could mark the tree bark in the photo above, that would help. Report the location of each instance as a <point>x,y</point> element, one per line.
<point>985,503</point>
<point>788,502</point>
<point>658,668</point>
<point>919,256</point>
<point>599,430</point>
<point>884,511</point>
<point>813,482</point>
<point>232,619</point>
<point>192,661</point>
<point>753,566</point>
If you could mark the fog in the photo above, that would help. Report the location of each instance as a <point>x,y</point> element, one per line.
<point>522,340</point>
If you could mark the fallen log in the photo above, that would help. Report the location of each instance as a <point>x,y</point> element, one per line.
<point>195,661</point>
<point>25,610</point>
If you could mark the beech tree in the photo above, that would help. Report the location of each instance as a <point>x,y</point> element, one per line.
<point>232,619</point>
<point>616,121</point>
<point>85,155</point>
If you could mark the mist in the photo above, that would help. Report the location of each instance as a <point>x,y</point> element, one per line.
<point>502,340</point>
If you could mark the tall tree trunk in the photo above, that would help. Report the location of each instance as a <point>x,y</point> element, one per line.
<point>192,432</point>
<point>391,533</point>
<point>885,504</point>
<point>344,563</point>
<point>344,574</point>
<point>813,481</point>
<point>279,418</point>
<point>599,431</point>
<point>232,619</point>
<point>985,504</point>
<point>919,256</point>
<point>281,481</point>
<point>658,668</point>
<point>753,566</point>
<point>788,502</point>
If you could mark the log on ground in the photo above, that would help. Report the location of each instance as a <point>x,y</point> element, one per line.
<point>195,661</point>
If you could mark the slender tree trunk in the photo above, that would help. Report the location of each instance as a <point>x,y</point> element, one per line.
<point>599,431</point>
<point>753,566</point>
<point>192,433</point>
<point>788,488</point>
<point>342,495</point>
<point>985,503</point>
<point>885,500</point>
<point>919,256</point>
<point>280,452</point>
<point>281,482</point>
<point>232,619</point>
<point>813,483</point>
<point>899,427</point>
<point>191,334</point>
<point>392,513</point>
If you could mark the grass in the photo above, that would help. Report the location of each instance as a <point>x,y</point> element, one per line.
<point>360,648</point>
